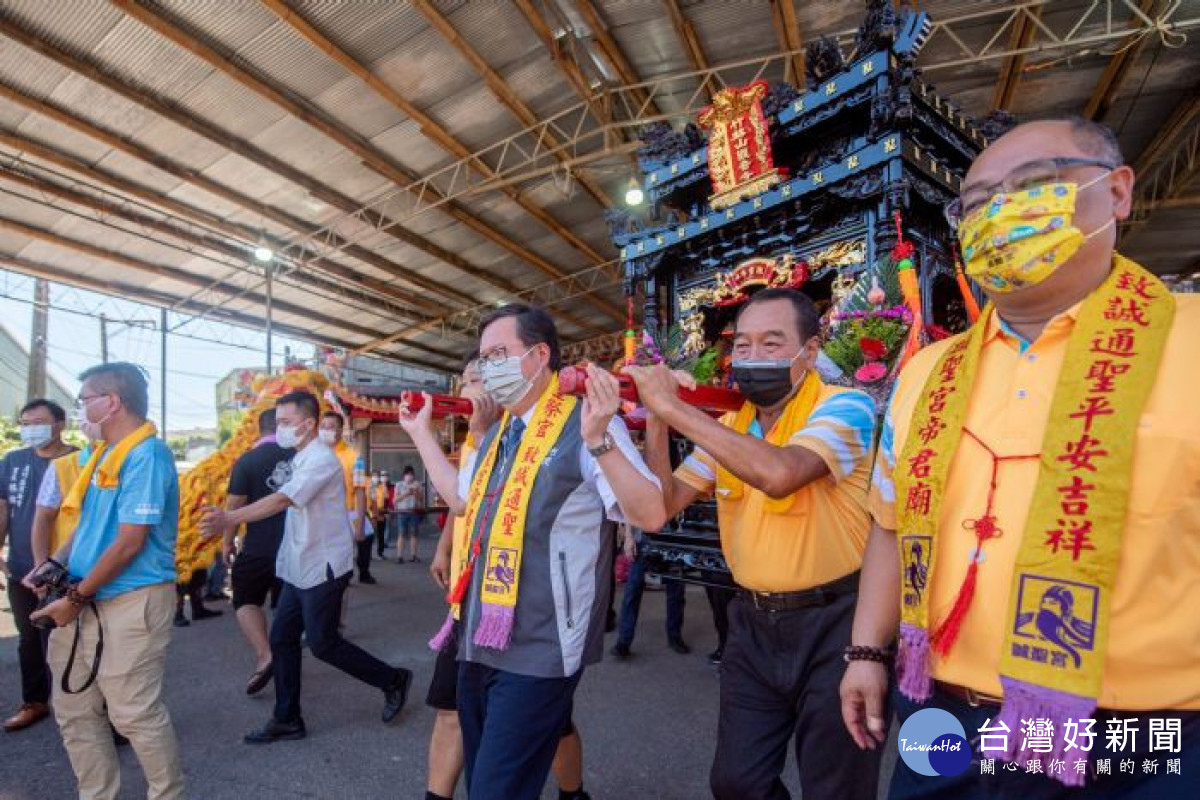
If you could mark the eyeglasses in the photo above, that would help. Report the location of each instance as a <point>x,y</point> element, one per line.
<point>496,357</point>
<point>82,401</point>
<point>1027,176</point>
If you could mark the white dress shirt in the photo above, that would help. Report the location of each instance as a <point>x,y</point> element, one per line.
<point>317,537</point>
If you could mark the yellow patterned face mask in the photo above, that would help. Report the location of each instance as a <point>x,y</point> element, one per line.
<point>1020,238</point>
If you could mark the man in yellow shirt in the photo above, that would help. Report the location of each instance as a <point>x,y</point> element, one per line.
<point>1043,569</point>
<point>332,433</point>
<point>790,474</point>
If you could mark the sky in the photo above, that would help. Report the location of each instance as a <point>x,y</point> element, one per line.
<point>194,364</point>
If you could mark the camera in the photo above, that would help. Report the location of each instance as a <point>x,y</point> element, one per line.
<point>54,578</point>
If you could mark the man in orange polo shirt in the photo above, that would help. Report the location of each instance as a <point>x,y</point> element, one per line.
<point>790,474</point>
<point>1043,567</point>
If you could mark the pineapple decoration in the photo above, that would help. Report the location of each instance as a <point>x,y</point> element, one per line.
<point>906,273</point>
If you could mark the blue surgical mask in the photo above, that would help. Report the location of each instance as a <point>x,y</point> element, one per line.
<point>36,436</point>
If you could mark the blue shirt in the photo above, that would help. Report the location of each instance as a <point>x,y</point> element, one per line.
<point>148,494</point>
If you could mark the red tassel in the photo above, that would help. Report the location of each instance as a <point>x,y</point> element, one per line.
<point>947,633</point>
<point>460,586</point>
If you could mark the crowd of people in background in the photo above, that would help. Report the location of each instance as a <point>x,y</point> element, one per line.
<point>859,538</point>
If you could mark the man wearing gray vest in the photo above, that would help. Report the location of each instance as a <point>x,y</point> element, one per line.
<point>533,584</point>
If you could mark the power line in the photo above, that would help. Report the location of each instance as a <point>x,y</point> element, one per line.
<point>193,337</point>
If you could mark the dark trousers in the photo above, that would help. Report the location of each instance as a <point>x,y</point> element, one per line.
<point>315,612</point>
<point>511,725</point>
<point>381,534</point>
<point>718,600</point>
<point>631,604</point>
<point>31,644</point>
<point>362,557</point>
<point>1015,782</point>
<point>780,678</point>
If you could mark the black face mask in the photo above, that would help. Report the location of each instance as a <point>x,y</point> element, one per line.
<point>764,382</point>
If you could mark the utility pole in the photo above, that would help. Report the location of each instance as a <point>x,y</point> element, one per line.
<point>37,339</point>
<point>103,338</point>
<point>269,320</point>
<point>162,327</point>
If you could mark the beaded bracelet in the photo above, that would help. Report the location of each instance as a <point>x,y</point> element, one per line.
<point>864,653</point>
<point>76,599</point>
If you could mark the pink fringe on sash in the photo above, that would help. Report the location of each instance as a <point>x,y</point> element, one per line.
<point>495,627</point>
<point>1025,701</point>
<point>912,663</point>
<point>442,637</point>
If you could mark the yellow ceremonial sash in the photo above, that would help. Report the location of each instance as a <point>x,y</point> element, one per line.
<point>66,471</point>
<point>460,533</point>
<point>730,488</point>
<point>107,474</point>
<point>500,582</point>
<point>348,457</point>
<point>1058,615</point>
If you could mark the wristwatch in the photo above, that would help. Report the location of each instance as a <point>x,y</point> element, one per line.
<point>604,447</point>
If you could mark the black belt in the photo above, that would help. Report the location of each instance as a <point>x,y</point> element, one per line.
<point>821,595</point>
<point>966,695</point>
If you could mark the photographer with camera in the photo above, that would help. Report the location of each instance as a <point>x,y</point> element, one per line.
<point>120,580</point>
<point>21,473</point>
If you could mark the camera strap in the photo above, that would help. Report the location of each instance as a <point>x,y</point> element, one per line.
<point>66,676</point>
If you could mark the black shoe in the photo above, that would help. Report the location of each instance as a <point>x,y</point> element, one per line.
<point>680,646</point>
<point>259,680</point>
<point>416,559</point>
<point>180,620</point>
<point>367,579</point>
<point>204,613</point>
<point>395,697</point>
<point>621,651</point>
<point>276,731</point>
<point>714,657</point>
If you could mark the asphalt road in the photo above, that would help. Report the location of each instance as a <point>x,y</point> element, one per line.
<point>648,724</point>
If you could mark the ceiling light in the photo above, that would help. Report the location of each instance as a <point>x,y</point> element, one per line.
<point>634,195</point>
<point>262,254</point>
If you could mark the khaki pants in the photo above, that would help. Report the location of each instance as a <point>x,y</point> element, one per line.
<point>128,691</point>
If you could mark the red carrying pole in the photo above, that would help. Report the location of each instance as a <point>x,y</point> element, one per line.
<point>573,380</point>
<point>443,405</point>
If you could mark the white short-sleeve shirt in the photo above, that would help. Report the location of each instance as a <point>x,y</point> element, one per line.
<point>317,537</point>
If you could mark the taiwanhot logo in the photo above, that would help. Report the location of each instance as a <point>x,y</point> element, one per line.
<point>933,742</point>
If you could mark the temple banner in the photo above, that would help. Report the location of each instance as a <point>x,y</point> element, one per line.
<point>739,145</point>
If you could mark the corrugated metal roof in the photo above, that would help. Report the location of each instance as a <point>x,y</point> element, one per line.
<point>154,62</point>
<point>425,70</point>
<point>286,60</point>
<point>78,27</point>
<point>231,106</point>
<point>179,144</point>
<point>365,112</point>
<point>45,131</point>
<point>235,26</point>
<point>369,31</point>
